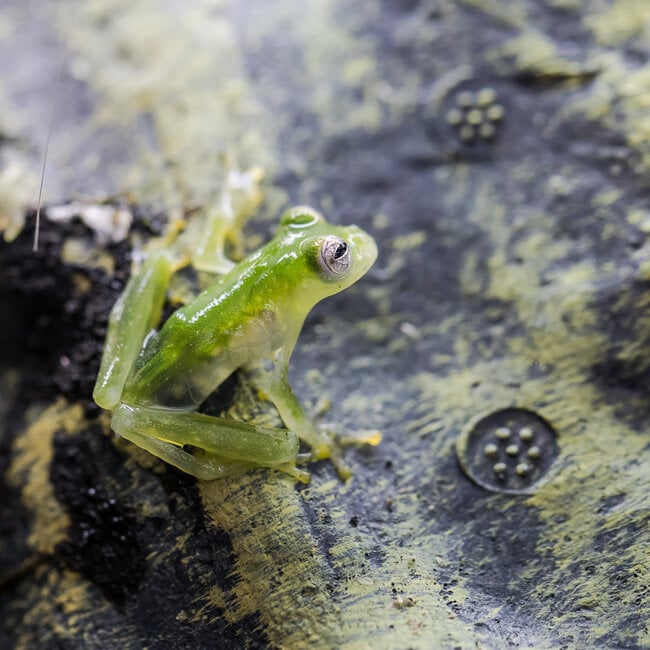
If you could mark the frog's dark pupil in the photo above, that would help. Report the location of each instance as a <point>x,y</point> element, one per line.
<point>341,250</point>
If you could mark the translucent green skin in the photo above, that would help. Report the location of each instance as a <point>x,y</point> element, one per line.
<point>153,382</point>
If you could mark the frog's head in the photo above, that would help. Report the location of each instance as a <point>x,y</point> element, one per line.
<point>332,257</point>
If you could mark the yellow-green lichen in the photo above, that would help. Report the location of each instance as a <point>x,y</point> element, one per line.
<point>614,23</point>
<point>191,89</point>
<point>29,472</point>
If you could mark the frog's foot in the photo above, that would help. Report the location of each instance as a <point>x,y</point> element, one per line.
<point>327,444</point>
<point>370,437</point>
<point>359,438</point>
<point>226,446</point>
<point>176,224</point>
<point>323,447</point>
<point>323,443</point>
<point>299,474</point>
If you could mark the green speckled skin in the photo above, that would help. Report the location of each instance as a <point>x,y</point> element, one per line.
<point>256,311</point>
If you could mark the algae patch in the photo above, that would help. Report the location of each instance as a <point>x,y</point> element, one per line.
<point>30,472</point>
<point>178,107</point>
<point>619,21</point>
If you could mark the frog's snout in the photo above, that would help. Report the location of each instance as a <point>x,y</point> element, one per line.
<point>365,251</point>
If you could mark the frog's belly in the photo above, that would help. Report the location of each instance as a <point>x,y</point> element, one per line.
<point>190,384</point>
<point>181,377</point>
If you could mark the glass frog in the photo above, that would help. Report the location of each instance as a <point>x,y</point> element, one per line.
<point>153,381</point>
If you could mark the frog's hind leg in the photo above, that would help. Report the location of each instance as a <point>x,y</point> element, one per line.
<point>204,466</point>
<point>135,313</point>
<point>238,202</point>
<point>225,446</point>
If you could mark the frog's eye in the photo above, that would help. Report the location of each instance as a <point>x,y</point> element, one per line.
<point>334,256</point>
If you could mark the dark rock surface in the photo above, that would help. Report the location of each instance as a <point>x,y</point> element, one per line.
<point>498,152</point>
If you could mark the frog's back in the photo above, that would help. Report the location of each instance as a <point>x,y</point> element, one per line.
<point>204,342</point>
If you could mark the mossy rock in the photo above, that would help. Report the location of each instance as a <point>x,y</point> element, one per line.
<point>499,154</point>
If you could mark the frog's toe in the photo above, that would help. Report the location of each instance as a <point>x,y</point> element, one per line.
<point>370,437</point>
<point>321,452</point>
<point>342,468</point>
<point>298,474</point>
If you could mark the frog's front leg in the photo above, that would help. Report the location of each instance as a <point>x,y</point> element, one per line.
<point>226,446</point>
<point>279,391</point>
<point>293,415</point>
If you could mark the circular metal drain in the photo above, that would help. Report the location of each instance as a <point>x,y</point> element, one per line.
<point>508,450</point>
<point>465,112</point>
<point>474,114</point>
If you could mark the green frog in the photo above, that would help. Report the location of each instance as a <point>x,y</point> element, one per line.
<point>153,381</point>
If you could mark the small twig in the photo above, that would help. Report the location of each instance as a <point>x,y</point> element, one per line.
<point>55,102</point>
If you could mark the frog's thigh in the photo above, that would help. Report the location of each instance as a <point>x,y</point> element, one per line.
<point>207,467</point>
<point>134,314</point>
<point>228,439</point>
